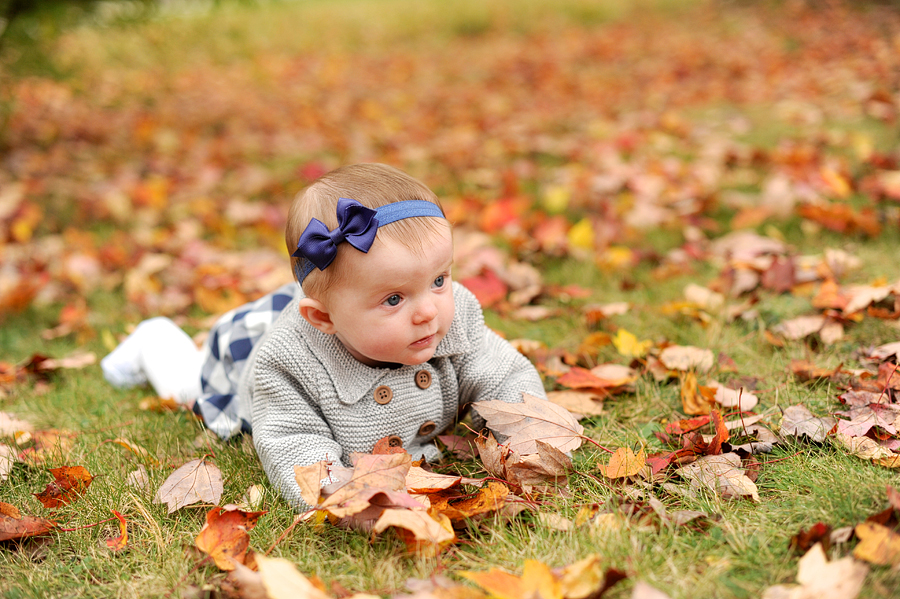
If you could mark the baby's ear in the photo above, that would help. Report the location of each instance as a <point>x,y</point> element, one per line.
<point>317,315</point>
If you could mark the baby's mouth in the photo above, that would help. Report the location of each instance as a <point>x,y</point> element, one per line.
<point>424,340</point>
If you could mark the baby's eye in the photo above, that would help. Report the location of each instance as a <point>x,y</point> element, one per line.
<point>439,282</point>
<point>393,300</point>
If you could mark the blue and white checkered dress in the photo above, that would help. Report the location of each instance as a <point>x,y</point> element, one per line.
<point>225,353</point>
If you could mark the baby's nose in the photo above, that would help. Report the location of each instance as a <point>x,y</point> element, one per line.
<point>425,312</point>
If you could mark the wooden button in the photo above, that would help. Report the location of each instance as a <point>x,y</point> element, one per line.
<point>395,441</point>
<point>383,394</point>
<point>427,428</point>
<point>423,379</point>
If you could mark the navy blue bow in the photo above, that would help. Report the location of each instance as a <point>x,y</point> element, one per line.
<point>357,225</point>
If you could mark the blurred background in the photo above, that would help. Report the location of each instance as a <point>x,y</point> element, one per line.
<point>149,148</point>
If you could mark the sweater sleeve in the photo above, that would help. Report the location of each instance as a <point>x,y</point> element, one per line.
<point>288,427</point>
<point>492,369</point>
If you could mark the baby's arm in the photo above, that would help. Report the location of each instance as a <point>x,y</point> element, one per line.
<point>288,427</point>
<point>493,369</point>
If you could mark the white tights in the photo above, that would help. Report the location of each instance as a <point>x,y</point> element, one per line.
<point>160,353</point>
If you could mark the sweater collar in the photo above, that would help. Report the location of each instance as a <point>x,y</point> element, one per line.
<point>353,380</point>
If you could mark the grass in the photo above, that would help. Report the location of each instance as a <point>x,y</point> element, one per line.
<point>745,550</point>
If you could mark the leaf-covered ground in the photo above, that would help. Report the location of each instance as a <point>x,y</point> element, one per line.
<point>677,211</point>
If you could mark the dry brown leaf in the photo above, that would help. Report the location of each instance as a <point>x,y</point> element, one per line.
<point>623,463</point>
<point>309,479</point>
<point>800,327</point>
<point>687,358</point>
<point>532,420</point>
<point>196,481</point>
<point>548,466</point>
<point>722,474</point>
<point>427,535</point>
<point>10,425</point>
<point>821,579</point>
<point>225,536</point>
<point>282,580</point>
<point>886,351</point>
<point>13,525</point>
<point>580,404</point>
<point>419,480</point>
<point>8,457</point>
<point>373,475</point>
<point>799,421</point>
<point>695,399</point>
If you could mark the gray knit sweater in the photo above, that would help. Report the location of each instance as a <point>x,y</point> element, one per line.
<point>308,399</point>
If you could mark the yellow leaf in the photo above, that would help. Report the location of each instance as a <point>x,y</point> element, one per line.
<point>629,346</point>
<point>616,257</point>
<point>623,463</point>
<point>581,235</point>
<point>693,401</point>
<point>878,544</point>
<point>556,199</point>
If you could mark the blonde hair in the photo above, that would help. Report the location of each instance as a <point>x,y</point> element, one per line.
<point>372,185</point>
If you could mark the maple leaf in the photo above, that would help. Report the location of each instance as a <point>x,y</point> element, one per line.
<point>584,578</point>
<point>627,344</point>
<point>381,475</point>
<point>821,579</point>
<point>225,536</point>
<point>581,404</point>
<point>532,420</point>
<point>118,543</point>
<point>195,481</point>
<point>548,465</point>
<point>623,463</point>
<point>13,525</point>
<point>70,483</point>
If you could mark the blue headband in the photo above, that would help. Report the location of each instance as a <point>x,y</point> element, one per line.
<point>357,225</point>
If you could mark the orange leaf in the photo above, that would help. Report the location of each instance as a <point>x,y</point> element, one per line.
<point>70,483</point>
<point>623,463</point>
<point>425,535</point>
<point>15,526</point>
<point>692,399</point>
<point>118,543</point>
<point>225,536</point>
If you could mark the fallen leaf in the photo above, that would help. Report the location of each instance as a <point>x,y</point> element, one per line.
<point>461,447</point>
<point>309,479</point>
<point>642,590</point>
<point>627,344</point>
<point>581,404</point>
<point>139,479</point>
<point>695,399</point>
<point>532,420</point>
<point>798,421</point>
<point>8,457</point>
<point>821,579</point>
<point>800,327</point>
<point>419,480</point>
<point>722,474</point>
<point>555,521</point>
<point>225,536</point>
<point>741,399</point>
<point>195,481</point>
<point>13,525</point>
<point>282,580</point>
<point>428,535</point>
<point>10,425</point>
<point>118,543</point>
<point>687,358</point>
<point>623,463</point>
<point>70,483</point>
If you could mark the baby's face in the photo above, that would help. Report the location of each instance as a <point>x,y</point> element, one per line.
<point>395,306</point>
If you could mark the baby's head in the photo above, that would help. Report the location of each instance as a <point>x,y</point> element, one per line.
<point>386,292</point>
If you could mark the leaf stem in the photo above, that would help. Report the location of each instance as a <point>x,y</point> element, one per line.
<point>87,525</point>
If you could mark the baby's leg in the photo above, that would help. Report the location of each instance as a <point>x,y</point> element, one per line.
<point>160,353</point>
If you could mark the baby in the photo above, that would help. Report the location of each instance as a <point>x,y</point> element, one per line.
<point>377,342</point>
